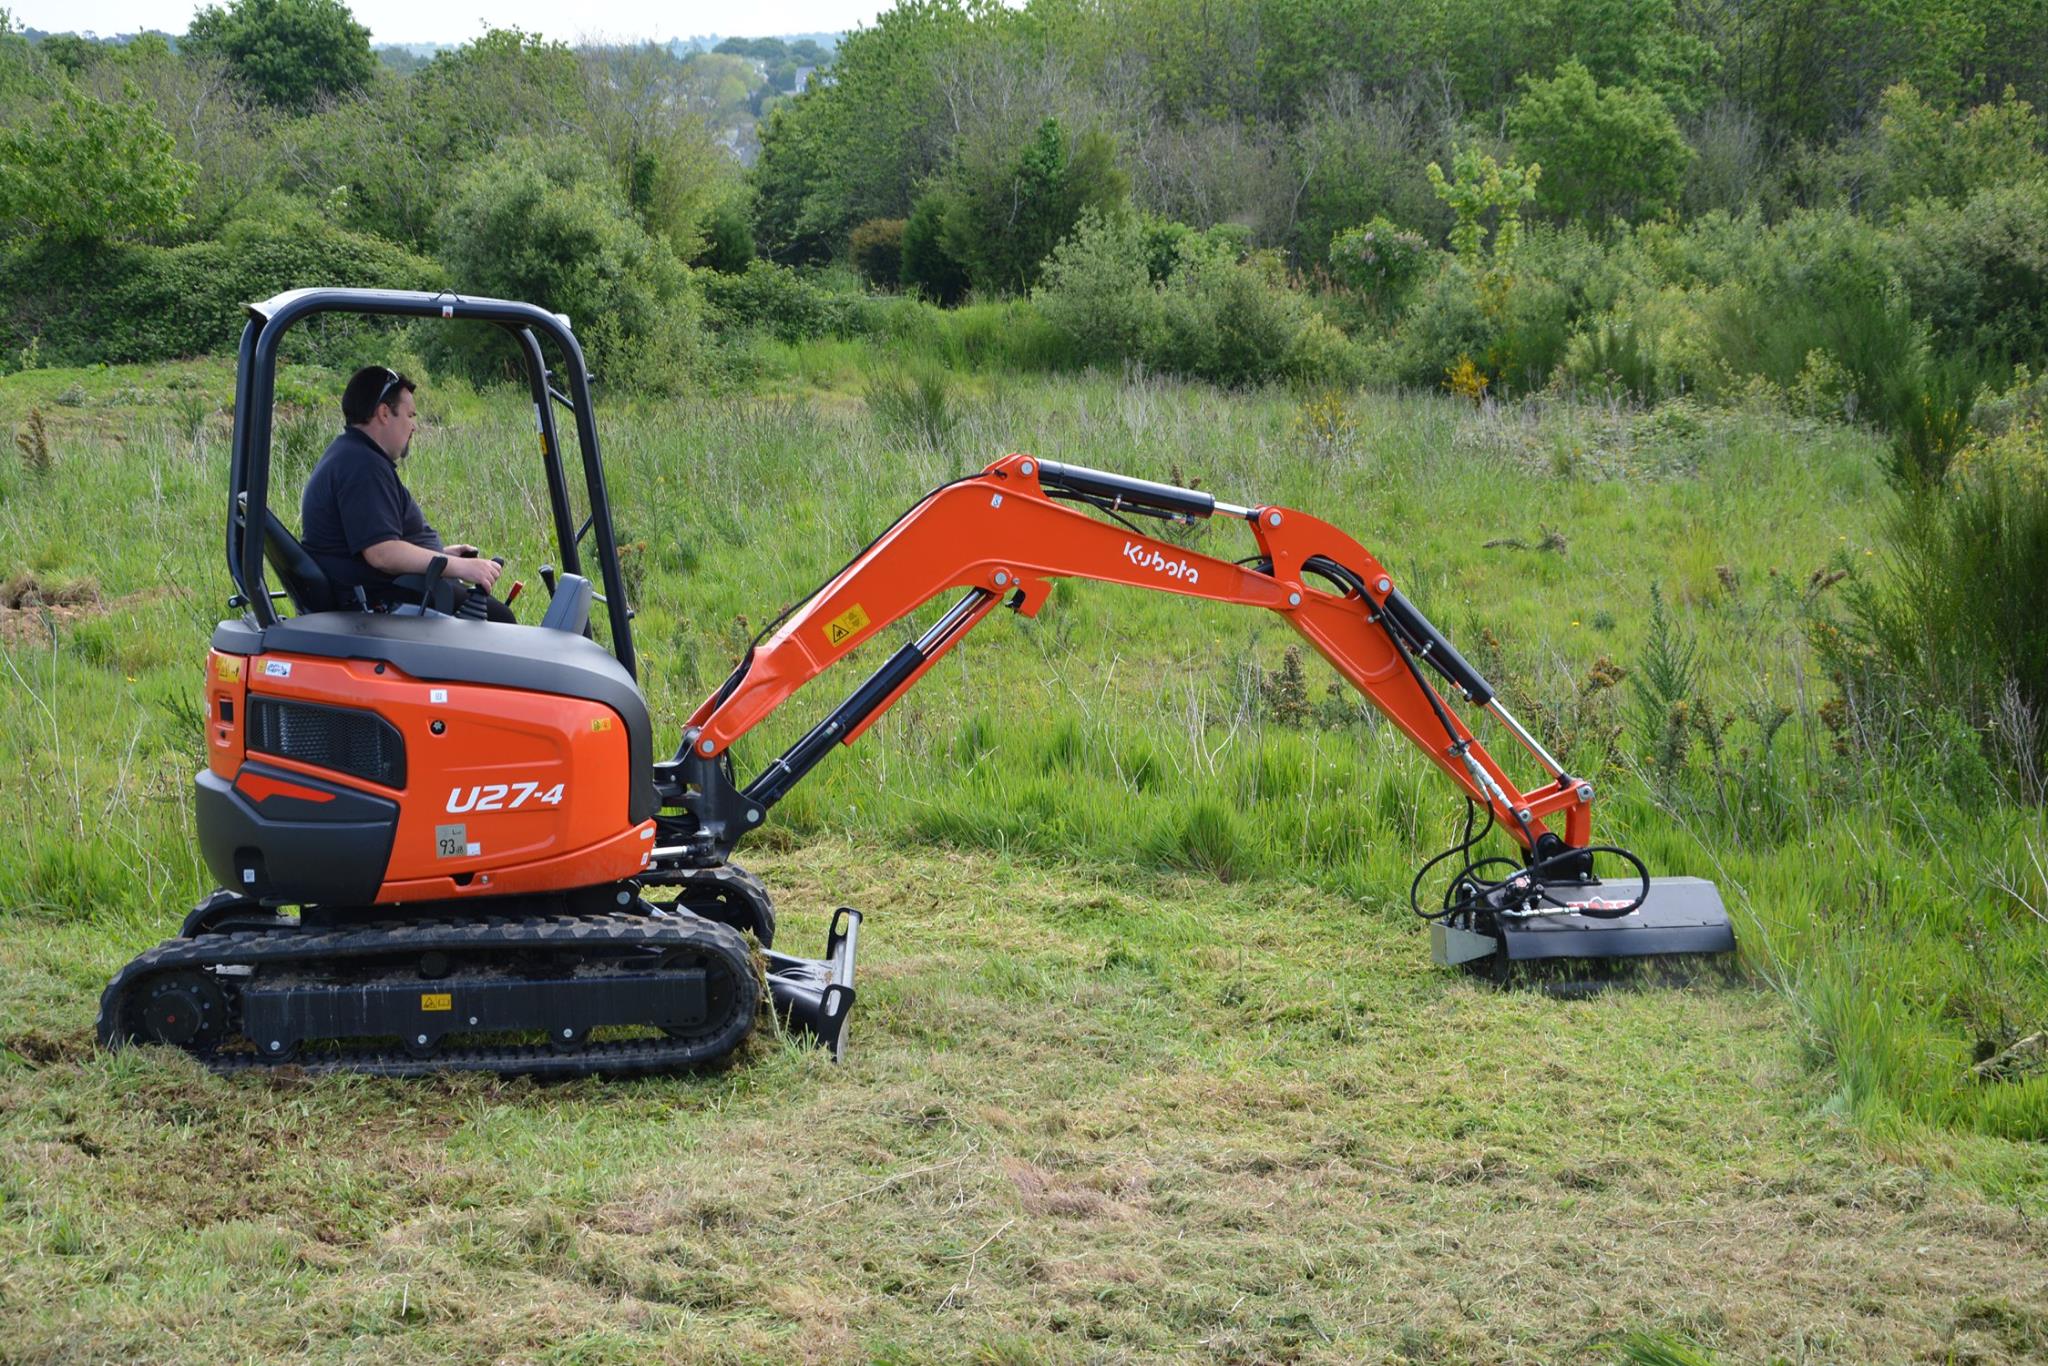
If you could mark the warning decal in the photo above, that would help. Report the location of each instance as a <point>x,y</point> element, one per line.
<point>437,1000</point>
<point>845,626</point>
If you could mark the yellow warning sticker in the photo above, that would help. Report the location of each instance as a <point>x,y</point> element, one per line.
<point>437,1000</point>
<point>228,667</point>
<point>845,626</point>
<point>600,723</point>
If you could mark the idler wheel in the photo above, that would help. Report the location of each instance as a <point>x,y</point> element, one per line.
<point>185,1009</point>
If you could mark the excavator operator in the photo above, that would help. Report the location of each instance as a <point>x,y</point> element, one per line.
<point>360,522</point>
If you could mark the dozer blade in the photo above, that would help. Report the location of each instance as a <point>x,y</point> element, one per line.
<point>815,995</point>
<point>1679,915</point>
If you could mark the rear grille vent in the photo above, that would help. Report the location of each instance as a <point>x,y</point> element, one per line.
<point>356,742</point>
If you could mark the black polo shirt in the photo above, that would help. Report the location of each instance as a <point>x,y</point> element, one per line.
<point>353,499</point>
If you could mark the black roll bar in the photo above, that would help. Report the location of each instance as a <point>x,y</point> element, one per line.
<point>256,392</point>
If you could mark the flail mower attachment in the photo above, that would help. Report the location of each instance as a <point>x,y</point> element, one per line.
<point>1669,916</point>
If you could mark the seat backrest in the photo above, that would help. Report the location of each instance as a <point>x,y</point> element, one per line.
<point>570,610</point>
<point>304,581</point>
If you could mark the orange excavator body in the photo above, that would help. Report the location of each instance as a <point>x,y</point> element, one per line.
<point>503,791</point>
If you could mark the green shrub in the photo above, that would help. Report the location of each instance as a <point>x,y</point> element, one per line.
<point>1615,356</point>
<point>90,171</point>
<point>1927,411</point>
<point>1955,626</point>
<point>1514,330</point>
<point>1712,249</point>
<point>1320,354</point>
<point>1005,212</point>
<point>728,238</point>
<point>1165,244</point>
<point>1925,153</point>
<point>781,302</point>
<point>532,223</point>
<point>1822,283</point>
<point>929,265</point>
<point>1446,321</point>
<point>1007,334</point>
<point>1978,273</point>
<point>1231,322</point>
<point>877,251</point>
<point>1217,316</point>
<point>1381,262</point>
<point>92,305</point>
<point>1099,288</point>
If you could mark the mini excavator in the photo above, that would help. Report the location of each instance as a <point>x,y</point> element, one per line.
<point>446,844</point>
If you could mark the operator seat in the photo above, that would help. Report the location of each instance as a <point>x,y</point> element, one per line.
<point>305,582</point>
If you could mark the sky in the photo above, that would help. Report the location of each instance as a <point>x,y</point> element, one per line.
<point>454,21</point>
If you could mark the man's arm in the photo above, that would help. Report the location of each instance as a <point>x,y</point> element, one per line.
<point>396,557</point>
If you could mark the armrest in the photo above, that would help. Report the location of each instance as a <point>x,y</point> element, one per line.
<point>570,609</point>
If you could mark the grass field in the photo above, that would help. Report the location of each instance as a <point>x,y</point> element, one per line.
<point>1149,1060</point>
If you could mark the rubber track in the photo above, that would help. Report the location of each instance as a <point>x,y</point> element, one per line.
<point>727,879</point>
<point>318,948</point>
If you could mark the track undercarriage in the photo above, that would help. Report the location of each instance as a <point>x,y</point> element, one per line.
<point>610,982</point>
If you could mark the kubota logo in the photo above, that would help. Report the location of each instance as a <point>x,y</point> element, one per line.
<point>492,797</point>
<point>1145,557</point>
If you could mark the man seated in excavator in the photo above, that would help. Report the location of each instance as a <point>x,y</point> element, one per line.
<point>361,524</point>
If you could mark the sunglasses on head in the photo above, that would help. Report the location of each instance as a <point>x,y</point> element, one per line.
<point>384,395</point>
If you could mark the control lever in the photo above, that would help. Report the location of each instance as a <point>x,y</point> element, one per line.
<point>547,576</point>
<point>473,598</point>
<point>432,581</point>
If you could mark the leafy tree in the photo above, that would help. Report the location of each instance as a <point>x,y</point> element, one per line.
<point>92,171</point>
<point>640,118</point>
<point>1609,152</point>
<point>1358,154</point>
<point>1380,261</point>
<point>1927,154</point>
<point>75,55</point>
<point>295,54</point>
<point>387,162</point>
<point>1483,185</point>
<point>1006,219</point>
<point>860,148</point>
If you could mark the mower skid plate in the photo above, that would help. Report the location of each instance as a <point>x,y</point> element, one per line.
<point>815,995</point>
<point>1679,915</point>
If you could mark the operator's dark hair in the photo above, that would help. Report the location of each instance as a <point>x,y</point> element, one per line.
<point>359,399</point>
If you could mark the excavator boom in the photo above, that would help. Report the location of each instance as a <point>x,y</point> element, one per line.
<point>1008,532</point>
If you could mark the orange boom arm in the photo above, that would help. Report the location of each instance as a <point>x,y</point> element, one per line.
<point>1001,535</point>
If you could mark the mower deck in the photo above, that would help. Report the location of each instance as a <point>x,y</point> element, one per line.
<point>1679,916</point>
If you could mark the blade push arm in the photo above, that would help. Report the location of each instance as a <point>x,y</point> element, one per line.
<point>1002,534</point>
